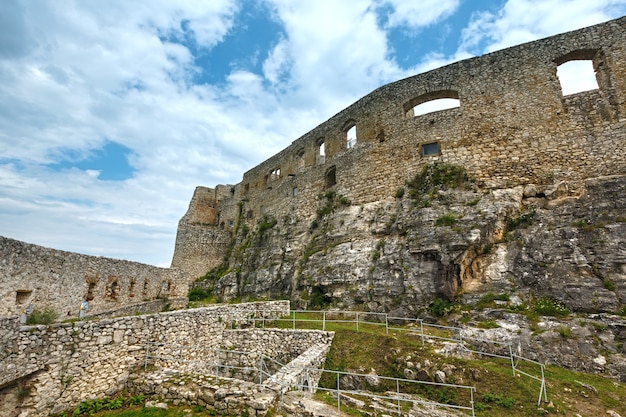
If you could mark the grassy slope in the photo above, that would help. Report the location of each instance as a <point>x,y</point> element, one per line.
<point>496,387</point>
<point>498,392</point>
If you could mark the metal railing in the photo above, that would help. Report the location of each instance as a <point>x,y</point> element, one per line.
<point>188,354</point>
<point>400,397</point>
<point>414,326</point>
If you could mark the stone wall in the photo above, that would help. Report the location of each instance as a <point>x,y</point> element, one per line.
<point>60,280</point>
<point>514,127</point>
<point>203,238</point>
<point>281,345</point>
<point>240,389</point>
<point>64,364</point>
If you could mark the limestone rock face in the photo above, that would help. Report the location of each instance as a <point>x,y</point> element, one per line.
<point>575,250</point>
<point>397,255</point>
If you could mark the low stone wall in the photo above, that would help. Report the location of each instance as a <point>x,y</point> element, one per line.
<point>70,362</point>
<point>281,345</point>
<point>228,380</point>
<point>303,371</point>
<point>227,396</point>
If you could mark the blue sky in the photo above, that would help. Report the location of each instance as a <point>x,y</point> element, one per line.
<point>111,113</point>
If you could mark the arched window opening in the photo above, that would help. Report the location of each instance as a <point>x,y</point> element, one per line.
<point>576,76</point>
<point>274,175</point>
<point>351,137</point>
<point>321,151</point>
<point>113,291</point>
<point>144,292</point>
<point>436,105</point>
<point>331,178</point>
<point>131,288</point>
<point>432,102</point>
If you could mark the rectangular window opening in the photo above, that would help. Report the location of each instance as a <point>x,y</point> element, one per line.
<point>22,297</point>
<point>430,149</point>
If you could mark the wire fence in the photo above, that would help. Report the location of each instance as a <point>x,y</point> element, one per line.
<point>401,394</point>
<point>418,327</point>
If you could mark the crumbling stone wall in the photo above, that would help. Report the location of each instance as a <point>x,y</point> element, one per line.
<point>203,238</point>
<point>281,345</point>
<point>514,127</point>
<point>64,364</point>
<point>50,278</point>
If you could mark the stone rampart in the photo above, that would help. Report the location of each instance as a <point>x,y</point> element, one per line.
<point>66,363</point>
<point>514,126</point>
<point>50,278</point>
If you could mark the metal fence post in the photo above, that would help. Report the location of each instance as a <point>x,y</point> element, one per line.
<point>386,324</point>
<point>472,400</point>
<point>542,390</point>
<point>398,395</point>
<point>422,330</point>
<point>338,397</point>
<point>512,359</point>
<point>324,320</point>
<point>293,326</point>
<point>357,322</point>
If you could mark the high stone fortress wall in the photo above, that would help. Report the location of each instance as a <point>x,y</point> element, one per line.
<point>61,281</point>
<point>513,127</point>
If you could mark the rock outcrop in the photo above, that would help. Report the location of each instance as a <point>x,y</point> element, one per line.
<point>443,241</point>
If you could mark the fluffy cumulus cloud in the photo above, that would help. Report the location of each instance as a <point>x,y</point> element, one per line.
<point>111,114</point>
<point>520,21</point>
<point>416,14</point>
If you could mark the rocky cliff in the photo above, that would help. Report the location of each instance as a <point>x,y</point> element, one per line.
<point>442,236</point>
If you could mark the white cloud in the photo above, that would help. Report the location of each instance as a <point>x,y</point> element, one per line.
<point>419,13</point>
<point>520,21</point>
<point>79,73</point>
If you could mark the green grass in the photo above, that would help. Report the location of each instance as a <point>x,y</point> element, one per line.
<point>498,392</point>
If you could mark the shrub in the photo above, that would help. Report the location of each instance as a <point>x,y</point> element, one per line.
<point>522,220</point>
<point>564,332</point>
<point>136,400</point>
<point>488,324</point>
<point>442,307</point>
<point>488,299</point>
<point>197,294</point>
<point>438,176</point>
<point>608,284</point>
<point>46,316</point>
<point>318,298</point>
<point>446,220</point>
<point>551,307</point>
<point>266,223</point>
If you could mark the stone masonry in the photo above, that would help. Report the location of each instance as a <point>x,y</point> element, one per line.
<point>513,127</point>
<point>60,280</point>
<point>64,364</point>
